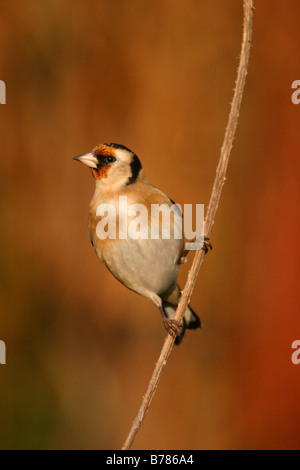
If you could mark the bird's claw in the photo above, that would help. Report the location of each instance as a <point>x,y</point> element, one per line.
<point>206,245</point>
<point>173,327</point>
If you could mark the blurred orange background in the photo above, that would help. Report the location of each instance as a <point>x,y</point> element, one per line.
<point>157,77</point>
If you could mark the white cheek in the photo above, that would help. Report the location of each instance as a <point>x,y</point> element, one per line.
<point>116,178</point>
<point>123,156</point>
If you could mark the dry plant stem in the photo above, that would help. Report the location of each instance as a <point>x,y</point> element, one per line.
<point>209,220</point>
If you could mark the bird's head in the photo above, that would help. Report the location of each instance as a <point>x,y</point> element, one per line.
<point>112,164</point>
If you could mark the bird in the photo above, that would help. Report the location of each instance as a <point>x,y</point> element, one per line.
<point>146,265</point>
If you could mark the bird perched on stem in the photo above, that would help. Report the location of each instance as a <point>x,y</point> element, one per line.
<point>148,263</point>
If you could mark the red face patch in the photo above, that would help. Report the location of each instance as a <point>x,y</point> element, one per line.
<point>103,150</point>
<point>100,173</point>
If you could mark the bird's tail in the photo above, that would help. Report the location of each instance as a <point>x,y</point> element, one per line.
<point>191,320</point>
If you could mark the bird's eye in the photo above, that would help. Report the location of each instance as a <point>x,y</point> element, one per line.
<point>110,159</point>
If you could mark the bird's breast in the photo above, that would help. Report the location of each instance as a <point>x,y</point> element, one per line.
<point>140,249</point>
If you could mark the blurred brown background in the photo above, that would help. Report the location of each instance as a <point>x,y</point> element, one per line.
<point>158,78</point>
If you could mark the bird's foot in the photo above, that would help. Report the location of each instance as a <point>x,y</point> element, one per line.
<point>173,327</point>
<point>206,245</point>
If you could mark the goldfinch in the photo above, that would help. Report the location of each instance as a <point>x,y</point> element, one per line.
<point>148,265</point>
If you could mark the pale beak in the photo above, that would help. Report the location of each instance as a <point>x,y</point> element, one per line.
<point>88,159</point>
